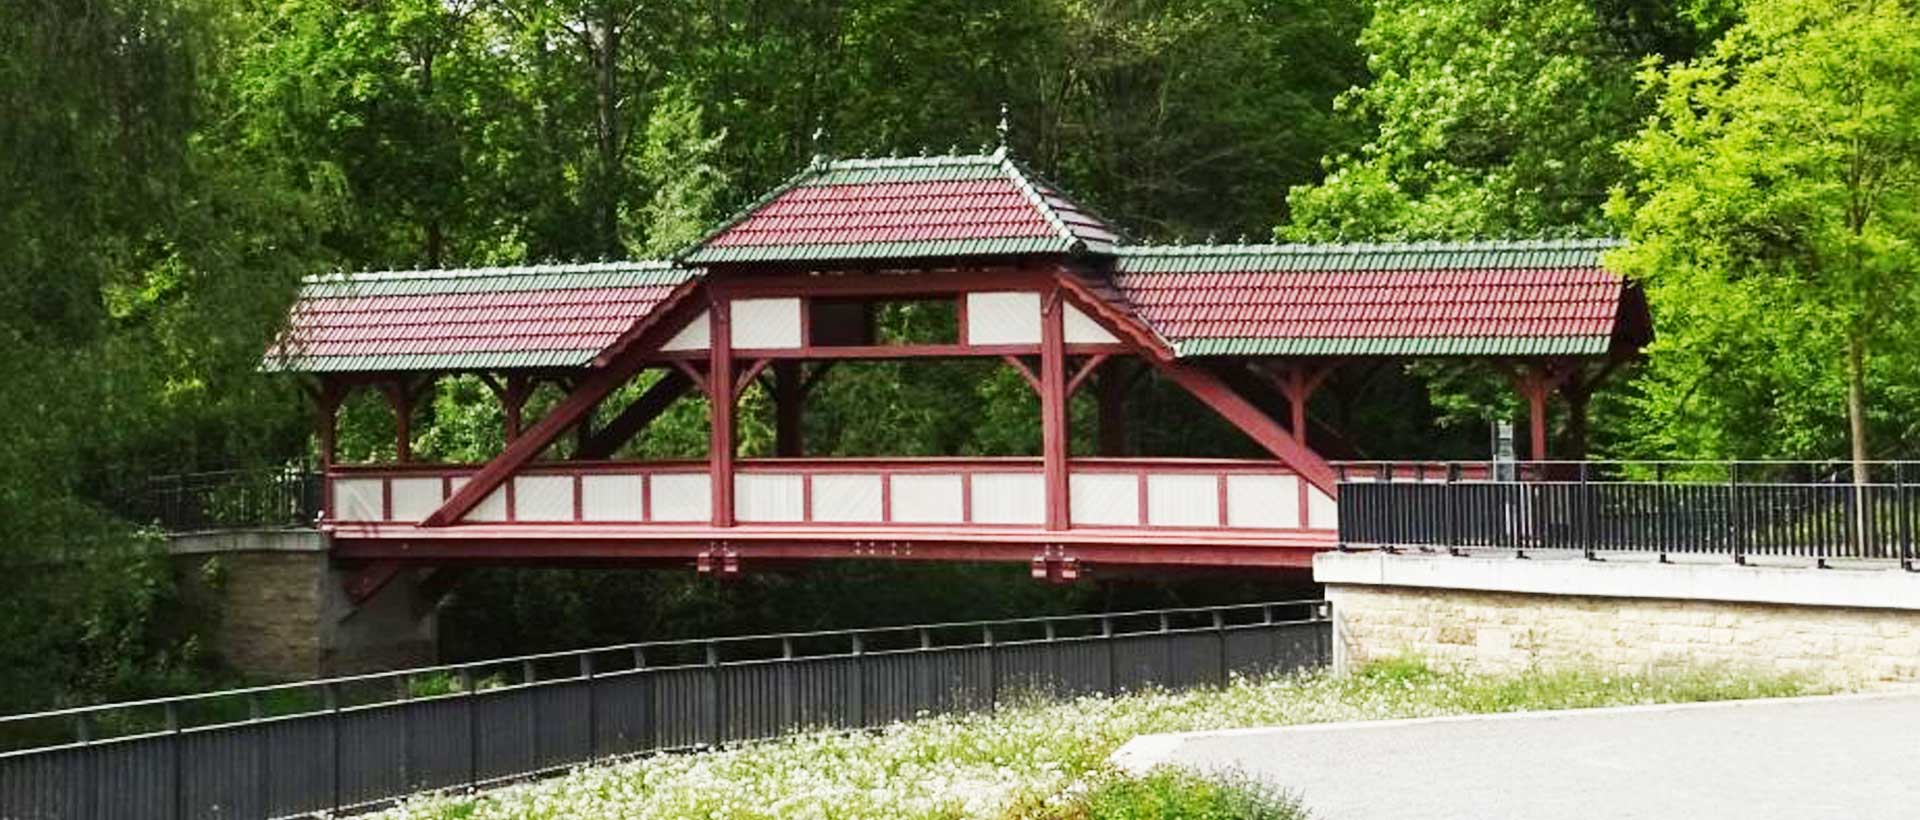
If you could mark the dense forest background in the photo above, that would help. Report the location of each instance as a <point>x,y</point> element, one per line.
<point>170,168</point>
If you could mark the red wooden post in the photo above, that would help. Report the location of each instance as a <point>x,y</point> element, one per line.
<point>514,401</point>
<point>1114,379</point>
<point>1536,383</point>
<point>720,402</point>
<point>400,395</point>
<point>788,397</point>
<point>1053,409</point>
<point>326,402</point>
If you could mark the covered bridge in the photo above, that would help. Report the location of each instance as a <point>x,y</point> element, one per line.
<point>793,283</point>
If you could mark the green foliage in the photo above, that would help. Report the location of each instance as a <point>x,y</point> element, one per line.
<point>1773,221</point>
<point>1173,794</point>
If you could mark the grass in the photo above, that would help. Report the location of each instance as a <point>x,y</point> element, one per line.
<point>1048,761</point>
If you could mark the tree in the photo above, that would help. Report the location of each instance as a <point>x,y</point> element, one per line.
<point>1493,117</point>
<point>1776,209</point>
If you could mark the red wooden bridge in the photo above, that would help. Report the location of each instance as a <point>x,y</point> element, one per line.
<point>780,293</point>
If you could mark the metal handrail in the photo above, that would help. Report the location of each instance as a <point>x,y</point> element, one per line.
<point>1316,611</point>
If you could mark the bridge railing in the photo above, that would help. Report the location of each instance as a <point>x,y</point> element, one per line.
<point>279,496</point>
<point>355,742</point>
<point>1809,511</point>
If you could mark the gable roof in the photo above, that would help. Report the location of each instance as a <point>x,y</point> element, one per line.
<point>905,208</point>
<point>1527,298</point>
<point>469,319</point>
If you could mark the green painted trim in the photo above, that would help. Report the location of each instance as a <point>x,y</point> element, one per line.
<point>1397,346</point>
<point>915,173</point>
<point>1543,253</point>
<point>501,360</point>
<point>493,280</point>
<point>880,250</point>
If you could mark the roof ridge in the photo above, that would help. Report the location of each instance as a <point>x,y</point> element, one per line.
<point>538,269</point>
<point>1329,248</point>
<point>1013,170</point>
<point>862,163</point>
<point>1120,236</point>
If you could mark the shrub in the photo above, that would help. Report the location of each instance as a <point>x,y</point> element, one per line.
<point>1175,794</point>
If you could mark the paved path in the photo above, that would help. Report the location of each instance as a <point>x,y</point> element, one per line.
<point>1850,757</point>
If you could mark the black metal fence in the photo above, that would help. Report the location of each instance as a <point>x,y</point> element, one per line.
<point>357,742</point>
<point>285,496</point>
<point>1808,510</point>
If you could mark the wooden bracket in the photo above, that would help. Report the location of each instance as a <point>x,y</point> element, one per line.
<point>1020,366</point>
<point>1087,366</point>
<point>747,376</point>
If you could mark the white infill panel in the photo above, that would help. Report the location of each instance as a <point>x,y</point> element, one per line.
<point>681,496</point>
<point>1322,512</point>
<point>491,508</point>
<point>1104,498</point>
<point>692,337</point>
<point>777,497</point>
<point>357,499</point>
<point>1003,318</point>
<point>1081,329</point>
<point>927,499</point>
<point>1183,500</point>
<point>543,498</point>
<point>846,498</point>
<point>415,498</point>
<point>1009,498</point>
<point>760,324</point>
<point>1270,502</point>
<point>611,497</point>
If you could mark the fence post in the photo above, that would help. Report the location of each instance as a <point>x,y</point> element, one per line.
<point>718,724</point>
<point>528,676</point>
<point>593,733</point>
<point>1220,638</point>
<point>330,697</point>
<point>787,709</point>
<point>178,805</point>
<point>1734,533</point>
<point>262,794</point>
<point>1342,513</point>
<point>993,669</point>
<point>860,680</point>
<point>1586,516</point>
<point>468,686</point>
<point>1113,661</point>
<point>1449,514</point>
<point>649,715</point>
<point>1904,529</point>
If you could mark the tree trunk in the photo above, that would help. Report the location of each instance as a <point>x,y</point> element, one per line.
<point>1857,403</point>
<point>607,90</point>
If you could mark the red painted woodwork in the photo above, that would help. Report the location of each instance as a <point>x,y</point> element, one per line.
<point>596,385</point>
<point>720,400</point>
<point>1535,382</point>
<point>622,428</point>
<point>789,396</point>
<point>496,543</point>
<point>1053,408</point>
<point>1086,368</point>
<point>1263,430</point>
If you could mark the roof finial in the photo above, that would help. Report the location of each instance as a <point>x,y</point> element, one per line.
<point>820,135</point>
<point>1004,126</point>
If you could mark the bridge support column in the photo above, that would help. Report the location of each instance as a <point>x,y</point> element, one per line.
<point>280,610</point>
<point>1054,432</point>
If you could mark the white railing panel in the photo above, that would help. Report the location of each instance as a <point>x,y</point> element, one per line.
<point>1263,501</point>
<point>1009,498</point>
<point>1104,499</point>
<point>846,498</point>
<point>1183,500</point>
<point>612,498</point>
<point>927,499</point>
<point>543,498</point>
<point>681,497</point>
<point>769,498</point>
<point>359,499</point>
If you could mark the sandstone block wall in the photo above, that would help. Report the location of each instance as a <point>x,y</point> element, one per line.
<point>1504,632</point>
<point>281,612</point>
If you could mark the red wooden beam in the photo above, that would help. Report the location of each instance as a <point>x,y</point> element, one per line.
<point>1053,409</point>
<point>1205,386</point>
<point>1535,382</point>
<point>747,376</point>
<point>327,396</point>
<point>720,401</point>
<point>1020,366</point>
<point>596,385</point>
<point>622,428</point>
<point>1090,364</point>
<point>1239,412</point>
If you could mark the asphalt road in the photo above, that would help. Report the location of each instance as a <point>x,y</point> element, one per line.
<point>1851,757</point>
